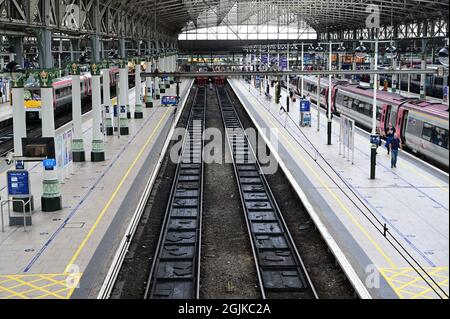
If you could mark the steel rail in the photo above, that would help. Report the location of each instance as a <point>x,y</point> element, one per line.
<point>281,271</point>
<point>175,272</point>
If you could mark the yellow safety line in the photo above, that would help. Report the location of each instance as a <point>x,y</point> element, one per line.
<point>336,198</point>
<point>429,289</point>
<point>36,287</point>
<point>14,293</point>
<point>114,194</point>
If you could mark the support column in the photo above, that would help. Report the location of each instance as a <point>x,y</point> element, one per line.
<point>20,131</point>
<point>394,76</point>
<point>77,141</point>
<point>127,96</point>
<point>17,44</point>
<point>167,69</point>
<point>122,101</point>
<point>330,88</point>
<point>148,86</point>
<point>423,94</point>
<point>45,49</point>
<point>19,123</point>
<point>372,63</point>
<point>95,46</point>
<point>162,68</point>
<point>156,85</point>
<point>98,145</point>
<point>122,52</point>
<point>51,199</point>
<point>107,99</point>
<point>75,47</point>
<point>138,113</point>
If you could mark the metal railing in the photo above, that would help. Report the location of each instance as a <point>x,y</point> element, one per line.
<point>24,204</point>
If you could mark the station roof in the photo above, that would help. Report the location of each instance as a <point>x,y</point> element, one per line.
<point>322,15</point>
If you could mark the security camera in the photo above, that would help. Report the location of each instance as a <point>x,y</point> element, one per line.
<point>9,158</point>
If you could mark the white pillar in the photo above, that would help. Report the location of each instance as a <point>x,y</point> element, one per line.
<point>19,122</point>
<point>98,146</point>
<point>423,77</point>
<point>127,96</point>
<point>375,91</point>
<point>122,101</point>
<point>138,113</point>
<point>330,88</point>
<point>157,80</point>
<point>51,197</point>
<point>148,86</point>
<point>77,141</point>
<point>318,103</point>
<point>394,76</point>
<point>107,100</point>
<point>303,69</point>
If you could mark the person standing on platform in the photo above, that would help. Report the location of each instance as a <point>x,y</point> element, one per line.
<point>395,145</point>
<point>389,136</point>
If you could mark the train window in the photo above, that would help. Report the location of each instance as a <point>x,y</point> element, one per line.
<point>439,137</point>
<point>427,131</point>
<point>438,81</point>
<point>393,117</point>
<point>436,135</point>
<point>355,104</point>
<point>379,113</point>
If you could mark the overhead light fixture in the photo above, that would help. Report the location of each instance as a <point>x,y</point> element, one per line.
<point>443,56</point>
<point>319,50</point>
<point>311,49</point>
<point>341,50</point>
<point>361,52</point>
<point>391,52</point>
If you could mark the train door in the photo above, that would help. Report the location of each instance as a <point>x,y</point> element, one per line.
<point>385,118</point>
<point>333,99</point>
<point>401,123</point>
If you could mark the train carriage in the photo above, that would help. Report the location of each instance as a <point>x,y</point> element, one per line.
<point>62,93</point>
<point>422,125</point>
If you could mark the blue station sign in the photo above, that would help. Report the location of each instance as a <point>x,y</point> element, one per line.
<point>169,100</point>
<point>305,106</point>
<point>18,183</point>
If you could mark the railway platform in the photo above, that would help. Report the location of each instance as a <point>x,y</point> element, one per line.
<point>67,253</point>
<point>351,211</point>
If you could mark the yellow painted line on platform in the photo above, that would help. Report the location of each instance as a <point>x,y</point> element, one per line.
<point>35,286</point>
<point>409,285</point>
<point>335,197</point>
<point>116,191</point>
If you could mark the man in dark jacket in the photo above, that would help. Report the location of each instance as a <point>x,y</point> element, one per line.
<point>395,145</point>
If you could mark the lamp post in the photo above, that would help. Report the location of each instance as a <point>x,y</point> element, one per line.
<point>330,88</point>
<point>362,52</point>
<point>302,81</point>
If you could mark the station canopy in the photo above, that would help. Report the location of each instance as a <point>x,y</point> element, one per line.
<point>321,15</point>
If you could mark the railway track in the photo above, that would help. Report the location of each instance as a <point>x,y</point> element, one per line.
<point>281,271</point>
<point>175,271</point>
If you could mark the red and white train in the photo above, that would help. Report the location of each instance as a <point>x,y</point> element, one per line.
<point>62,93</point>
<point>422,125</point>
